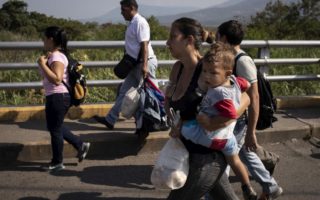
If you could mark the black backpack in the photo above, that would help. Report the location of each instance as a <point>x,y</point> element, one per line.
<point>77,86</point>
<point>268,104</point>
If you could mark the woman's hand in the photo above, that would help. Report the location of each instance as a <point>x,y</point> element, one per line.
<point>204,121</point>
<point>42,60</point>
<point>244,103</point>
<point>175,132</point>
<point>213,123</point>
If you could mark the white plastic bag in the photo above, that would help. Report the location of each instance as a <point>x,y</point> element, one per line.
<point>130,103</point>
<point>172,166</point>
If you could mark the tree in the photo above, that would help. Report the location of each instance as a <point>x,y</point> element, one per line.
<point>158,32</point>
<point>15,15</point>
<point>310,18</point>
<point>299,20</point>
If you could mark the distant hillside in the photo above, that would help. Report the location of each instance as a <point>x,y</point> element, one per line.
<point>213,16</point>
<point>115,16</point>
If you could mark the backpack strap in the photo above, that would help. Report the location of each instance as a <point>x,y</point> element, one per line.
<point>179,72</point>
<point>68,87</point>
<point>234,71</point>
<point>244,116</point>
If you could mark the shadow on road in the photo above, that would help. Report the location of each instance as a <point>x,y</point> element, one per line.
<point>127,176</point>
<point>27,166</point>
<point>95,196</point>
<point>9,152</point>
<point>76,125</point>
<point>33,198</point>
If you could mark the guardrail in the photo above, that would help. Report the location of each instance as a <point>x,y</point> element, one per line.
<point>263,61</point>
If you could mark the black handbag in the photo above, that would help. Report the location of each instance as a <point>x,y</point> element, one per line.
<point>126,64</point>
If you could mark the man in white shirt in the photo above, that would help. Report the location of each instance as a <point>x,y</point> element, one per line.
<point>138,46</point>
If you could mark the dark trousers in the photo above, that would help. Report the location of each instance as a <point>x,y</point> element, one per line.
<point>57,105</point>
<point>206,174</point>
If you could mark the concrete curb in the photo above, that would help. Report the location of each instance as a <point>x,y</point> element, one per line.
<point>285,102</point>
<point>32,142</point>
<point>25,113</point>
<point>121,141</point>
<point>110,148</point>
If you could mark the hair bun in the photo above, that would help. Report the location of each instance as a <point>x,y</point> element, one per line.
<point>205,35</point>
<point>208,36</point>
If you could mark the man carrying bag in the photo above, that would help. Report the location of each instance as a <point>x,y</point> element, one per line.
<point>138,47</point>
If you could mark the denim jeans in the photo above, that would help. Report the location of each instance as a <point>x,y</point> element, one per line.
<point>132,80</point>
<point>205,172</point>
<point>57,105</point>
<point>252,161</point>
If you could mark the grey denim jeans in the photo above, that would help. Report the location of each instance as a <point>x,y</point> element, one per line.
<point>132,80</point>
<point>205,171</point>
<point>253,162</point>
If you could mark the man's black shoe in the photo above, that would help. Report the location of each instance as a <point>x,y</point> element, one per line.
<point>102,120</point>
<point>142,134</point>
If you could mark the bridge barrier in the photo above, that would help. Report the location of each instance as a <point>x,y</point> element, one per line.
<point>85,111</point>
<point>263,60</point>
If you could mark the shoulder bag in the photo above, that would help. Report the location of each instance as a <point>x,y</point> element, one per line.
<point>126,64</point>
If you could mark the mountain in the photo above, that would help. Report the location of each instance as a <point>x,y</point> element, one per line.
<point>213,16</point>
<point>115,16</point>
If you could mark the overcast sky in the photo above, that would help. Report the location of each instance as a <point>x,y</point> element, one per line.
<point>81,9</point>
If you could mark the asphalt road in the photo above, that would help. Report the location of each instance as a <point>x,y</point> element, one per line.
<point>128,177</point>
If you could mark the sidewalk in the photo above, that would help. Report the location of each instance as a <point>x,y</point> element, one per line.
<point>25,141</point>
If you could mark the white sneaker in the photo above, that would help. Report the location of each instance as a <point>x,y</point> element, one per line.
<point>53,167</point>
<point>276,193</point>
<point>272,195</point>
<point>82,153</point>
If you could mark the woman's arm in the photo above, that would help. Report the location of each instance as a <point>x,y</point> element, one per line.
<point>244,103</point>
<point>54,73</point>
<point>218,122</point>
<point>213,123</point>
<point>170,88</point>
<point>171,85</point>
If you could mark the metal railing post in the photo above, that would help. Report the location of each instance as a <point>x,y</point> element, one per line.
<point>264,53</point>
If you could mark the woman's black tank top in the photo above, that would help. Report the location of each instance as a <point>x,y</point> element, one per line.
<point>188,107</point>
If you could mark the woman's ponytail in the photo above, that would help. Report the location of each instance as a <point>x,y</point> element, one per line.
<point>63,41</point>
<point>207,36</point>
<point>59,37</point>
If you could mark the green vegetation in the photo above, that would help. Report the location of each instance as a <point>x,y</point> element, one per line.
<point>297,21</point>
<point>16,24</point>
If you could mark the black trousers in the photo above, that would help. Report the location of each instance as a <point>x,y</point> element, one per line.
<point>57,105</point>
